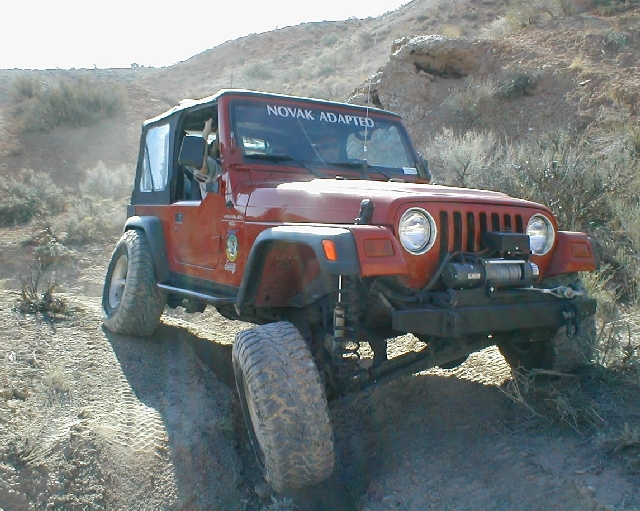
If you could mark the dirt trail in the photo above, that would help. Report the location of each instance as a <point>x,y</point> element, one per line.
<point>93,419</point>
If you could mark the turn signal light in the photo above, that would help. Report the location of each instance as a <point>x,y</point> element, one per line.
<point>330,250</point>
<point>378,248</point>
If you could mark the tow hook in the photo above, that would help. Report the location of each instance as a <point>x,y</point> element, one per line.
<point>571,322</point>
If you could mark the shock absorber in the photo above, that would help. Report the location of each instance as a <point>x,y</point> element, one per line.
<point>344,347</point>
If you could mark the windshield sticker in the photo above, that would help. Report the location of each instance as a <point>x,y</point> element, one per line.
<point>309,115</point>
<point>410,170</point>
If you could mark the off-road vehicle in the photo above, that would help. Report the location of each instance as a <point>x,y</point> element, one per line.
<point>322,229</point>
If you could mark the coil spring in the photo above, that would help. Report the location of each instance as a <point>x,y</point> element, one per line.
<point>345,347</point>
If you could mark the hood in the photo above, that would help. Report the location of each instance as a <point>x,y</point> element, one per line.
<point>338,201</point>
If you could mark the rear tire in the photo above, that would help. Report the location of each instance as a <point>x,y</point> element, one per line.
<point>284,406</point>
<point>131,301</point>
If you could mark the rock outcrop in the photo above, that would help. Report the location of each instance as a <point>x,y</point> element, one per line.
<point>416,62</point>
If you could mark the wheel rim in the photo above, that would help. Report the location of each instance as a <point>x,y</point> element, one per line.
<point>118,281</point>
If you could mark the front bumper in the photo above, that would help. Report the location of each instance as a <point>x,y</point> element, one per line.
<point>494,318</point>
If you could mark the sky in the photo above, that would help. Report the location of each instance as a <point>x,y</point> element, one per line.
<point>66,34</point>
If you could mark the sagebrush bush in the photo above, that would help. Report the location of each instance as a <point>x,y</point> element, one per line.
<point>29,194</point>
<point>516,85</point>
<point>77,102</point>
<point>25,86</point>
<point>259,71</point>
<point>463,160</point>
<point>467,102</point>
<point>329,40</point>
<point>105,182</point>
<point>93,220</point>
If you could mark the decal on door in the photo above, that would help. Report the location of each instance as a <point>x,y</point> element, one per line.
<point>232,252</point>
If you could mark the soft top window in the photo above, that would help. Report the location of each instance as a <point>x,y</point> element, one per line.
<point>155,164</point>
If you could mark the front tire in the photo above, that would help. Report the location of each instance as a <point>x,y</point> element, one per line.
<point>131,301</point>
<point>284,406</point>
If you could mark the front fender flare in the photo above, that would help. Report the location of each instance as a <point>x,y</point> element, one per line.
<point>346,263</point>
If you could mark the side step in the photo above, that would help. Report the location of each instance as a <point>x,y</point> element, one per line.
<point>212,300</point>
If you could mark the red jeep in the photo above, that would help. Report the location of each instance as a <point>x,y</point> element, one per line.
<point>320,227</point>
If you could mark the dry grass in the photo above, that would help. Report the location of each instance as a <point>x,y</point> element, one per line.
<point>37,294</point>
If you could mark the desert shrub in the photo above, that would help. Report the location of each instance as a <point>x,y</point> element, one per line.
<point>498,28</point>
<point>325,70</point>
<point>259,71</point>
<point>78,102</point>
<point>564,173</point>
<point>329,40</point>
<point>37,282</point>
<point>609,7</point>
<point>37,293</point>
<point>101,181</point>
<point>614,40</point>
<point>560,173</point>
<point>93,220</point>
<point>366,39</point>
<point>516,85</point>
<point>25,86</point>
<point>28,194</point>
<point>462,160</point>
<point>466,102</point>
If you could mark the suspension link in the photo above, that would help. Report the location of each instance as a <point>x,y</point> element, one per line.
<point>345,346</point>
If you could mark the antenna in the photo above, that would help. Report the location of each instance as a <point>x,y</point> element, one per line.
<point>366,126</point>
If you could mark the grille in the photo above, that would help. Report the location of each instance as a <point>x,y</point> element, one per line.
<point>462,231</point>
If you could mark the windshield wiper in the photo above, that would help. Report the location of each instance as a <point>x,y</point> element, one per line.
<point>281,158</point>
<point>358,164</point>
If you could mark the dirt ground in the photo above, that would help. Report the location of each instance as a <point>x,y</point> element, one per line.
<point>93,420</point>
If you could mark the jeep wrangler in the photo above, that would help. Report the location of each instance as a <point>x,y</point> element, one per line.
<point>322,229</point>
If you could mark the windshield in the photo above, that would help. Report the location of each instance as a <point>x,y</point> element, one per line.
<point>317,136</point>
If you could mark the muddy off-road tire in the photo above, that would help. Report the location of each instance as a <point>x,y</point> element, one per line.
<point>131,302</point>
<point>284,406</point>
<point>559,353</point>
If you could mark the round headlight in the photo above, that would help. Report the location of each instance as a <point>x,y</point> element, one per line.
<point>541,234</point>
<point>417,231</point>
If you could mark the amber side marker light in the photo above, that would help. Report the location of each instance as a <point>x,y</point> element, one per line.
<point>330,250</point>
<point>378,248</point>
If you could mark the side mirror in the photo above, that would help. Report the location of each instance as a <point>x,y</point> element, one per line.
<point>192,151</point>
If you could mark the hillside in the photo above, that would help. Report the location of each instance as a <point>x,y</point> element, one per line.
<point>91,420</point>
<point>579,69</point>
